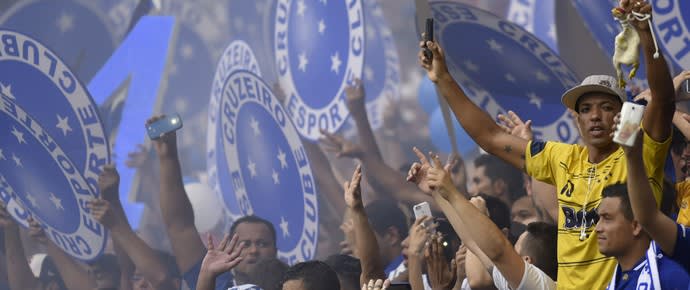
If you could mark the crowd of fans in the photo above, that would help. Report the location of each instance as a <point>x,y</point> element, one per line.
<point>528,214</point>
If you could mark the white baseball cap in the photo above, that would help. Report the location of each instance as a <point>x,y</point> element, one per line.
<point>593,84</point>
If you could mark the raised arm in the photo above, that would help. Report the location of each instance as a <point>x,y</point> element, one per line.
<point>659,112</point>
<point>108,211</point>
<point>176,208</point>
<point>18,271</point>
<point>218,261</point>
<point>72,273</point>
<point>367,246</point>
<point>477,123</point>
<point>661,228</point>
<point>416,241</point>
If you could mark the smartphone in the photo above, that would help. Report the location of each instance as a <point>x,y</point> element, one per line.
<point>428,36</point>
<point>421,210</point>
<point>164,125</point>
<point>631,116</point>
<point>400,286</point>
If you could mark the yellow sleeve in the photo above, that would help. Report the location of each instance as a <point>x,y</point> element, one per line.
<point>654,155</point>
<point>539,159</point>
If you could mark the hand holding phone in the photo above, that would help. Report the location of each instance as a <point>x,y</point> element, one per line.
<point>164,125</point>
<point>421,210</point>
<point>429,36</point>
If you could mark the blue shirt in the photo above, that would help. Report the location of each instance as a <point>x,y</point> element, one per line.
<point>681,252</point>
<point>671,275</point>
<point>223,281</point>
<point>394,264</point>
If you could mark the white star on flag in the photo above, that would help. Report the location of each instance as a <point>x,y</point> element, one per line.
<point>510,78</point>
<point>2,155</point>
<point>495,46</point>
<point>541,76</point>
<point>17,160</point>
<point>32,200</point>
<point>6,90</point>
<point>56,201</point>
<point>471,66</point>
<point>322,26</point>
<point>368,73</point>
<point>534,99</point>
<point>18,135</point>
<point>284,227</point>
<point>281,157</point>
<point>252,168</point>
<point>63,124</point>
<point>187,51</point>
<point>65,23</point>
<point>335,63</point>
<point>301,7</point>
<point>303,61</point>
<point>255,126</point>
<point>274,175</point>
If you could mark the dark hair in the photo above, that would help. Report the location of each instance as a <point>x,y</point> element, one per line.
<point>620,190</point>
<point>495,169</point>
<point>348,269</point>
<point>577,102</point>
<point>315,275</point>
<point>385,213</point>
<point>540,245</point>
<point>255,220</point>
<point>499,212</point>
<point>108,264</point>
<point>268,274</point>
<point>50,273</point>
<point>677,141</point>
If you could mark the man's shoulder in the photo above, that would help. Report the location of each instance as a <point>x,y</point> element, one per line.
<point>537,146</point>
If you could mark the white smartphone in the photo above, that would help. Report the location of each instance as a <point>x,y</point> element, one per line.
<point>631,117</point>
<point>421,210</point>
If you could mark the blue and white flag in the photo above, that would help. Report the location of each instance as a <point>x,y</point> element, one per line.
<point>253,22</point>
<point>77,30</point>
<point>268,167</point>
<point>237,56</point>
<point>35,78</point>
<point>671,20</point>
<point>319,50</point>
<point>536,16</point>
<point>38,174</point>
<point>503,67</point>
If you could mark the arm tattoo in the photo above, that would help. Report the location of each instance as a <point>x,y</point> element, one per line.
<point>508,149</point>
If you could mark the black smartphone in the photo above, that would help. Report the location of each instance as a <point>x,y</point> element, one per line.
<point>400,286</point>
<point>428,36</point>
<point>164,125</point>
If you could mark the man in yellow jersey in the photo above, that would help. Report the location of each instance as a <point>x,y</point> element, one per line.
<point>578,172</point>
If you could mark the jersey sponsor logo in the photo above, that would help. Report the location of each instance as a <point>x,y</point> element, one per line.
<point>672,25</point>
<point>267,164</point>
<point>488,70</point>
<point>37,80</point>
<point>238,55</point>
<point>574,219</point>
<point>319,50</point>
<point>39,175</point>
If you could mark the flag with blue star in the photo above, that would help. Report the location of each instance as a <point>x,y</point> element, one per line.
<point>42,180</point>
<point>503,67</point>
<point>45,87</point>
<point>319,50</point>
<point>77,30</point>
<point>269,173</point>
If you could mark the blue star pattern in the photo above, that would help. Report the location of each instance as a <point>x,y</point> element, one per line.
<point>253,22</point>
<point>604,27</point>
<point>238,55</point>
<point>671,21</point>
<point>76,30</point>
<point>36,79</point>
<point>267,164</point>
<point>505,68</point>
<point>319,49</point>
<point>44,181</point>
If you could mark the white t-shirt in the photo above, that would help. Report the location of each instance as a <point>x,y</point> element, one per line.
<point>533,279</point>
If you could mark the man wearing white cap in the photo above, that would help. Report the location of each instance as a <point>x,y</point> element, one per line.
<point>578,172</point>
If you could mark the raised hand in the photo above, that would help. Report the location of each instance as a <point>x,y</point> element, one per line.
<point>439,177</point>
<point>354,96</point>
<point>460,266</point>
<point>166,145</point>
<point>102,211</point>
<point>480,204</point>
<point>435,68</point>
<point>419,235</point>
<point>377,285</point>
<point>36,231</point>
<point>513,125</point>
<point>440,275</point>
<point>341,147</point>
<point>222,259</point>
<point>640,7</point>
<point>109,183</point>
<point>353,190</point>
<point>418,172</point>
